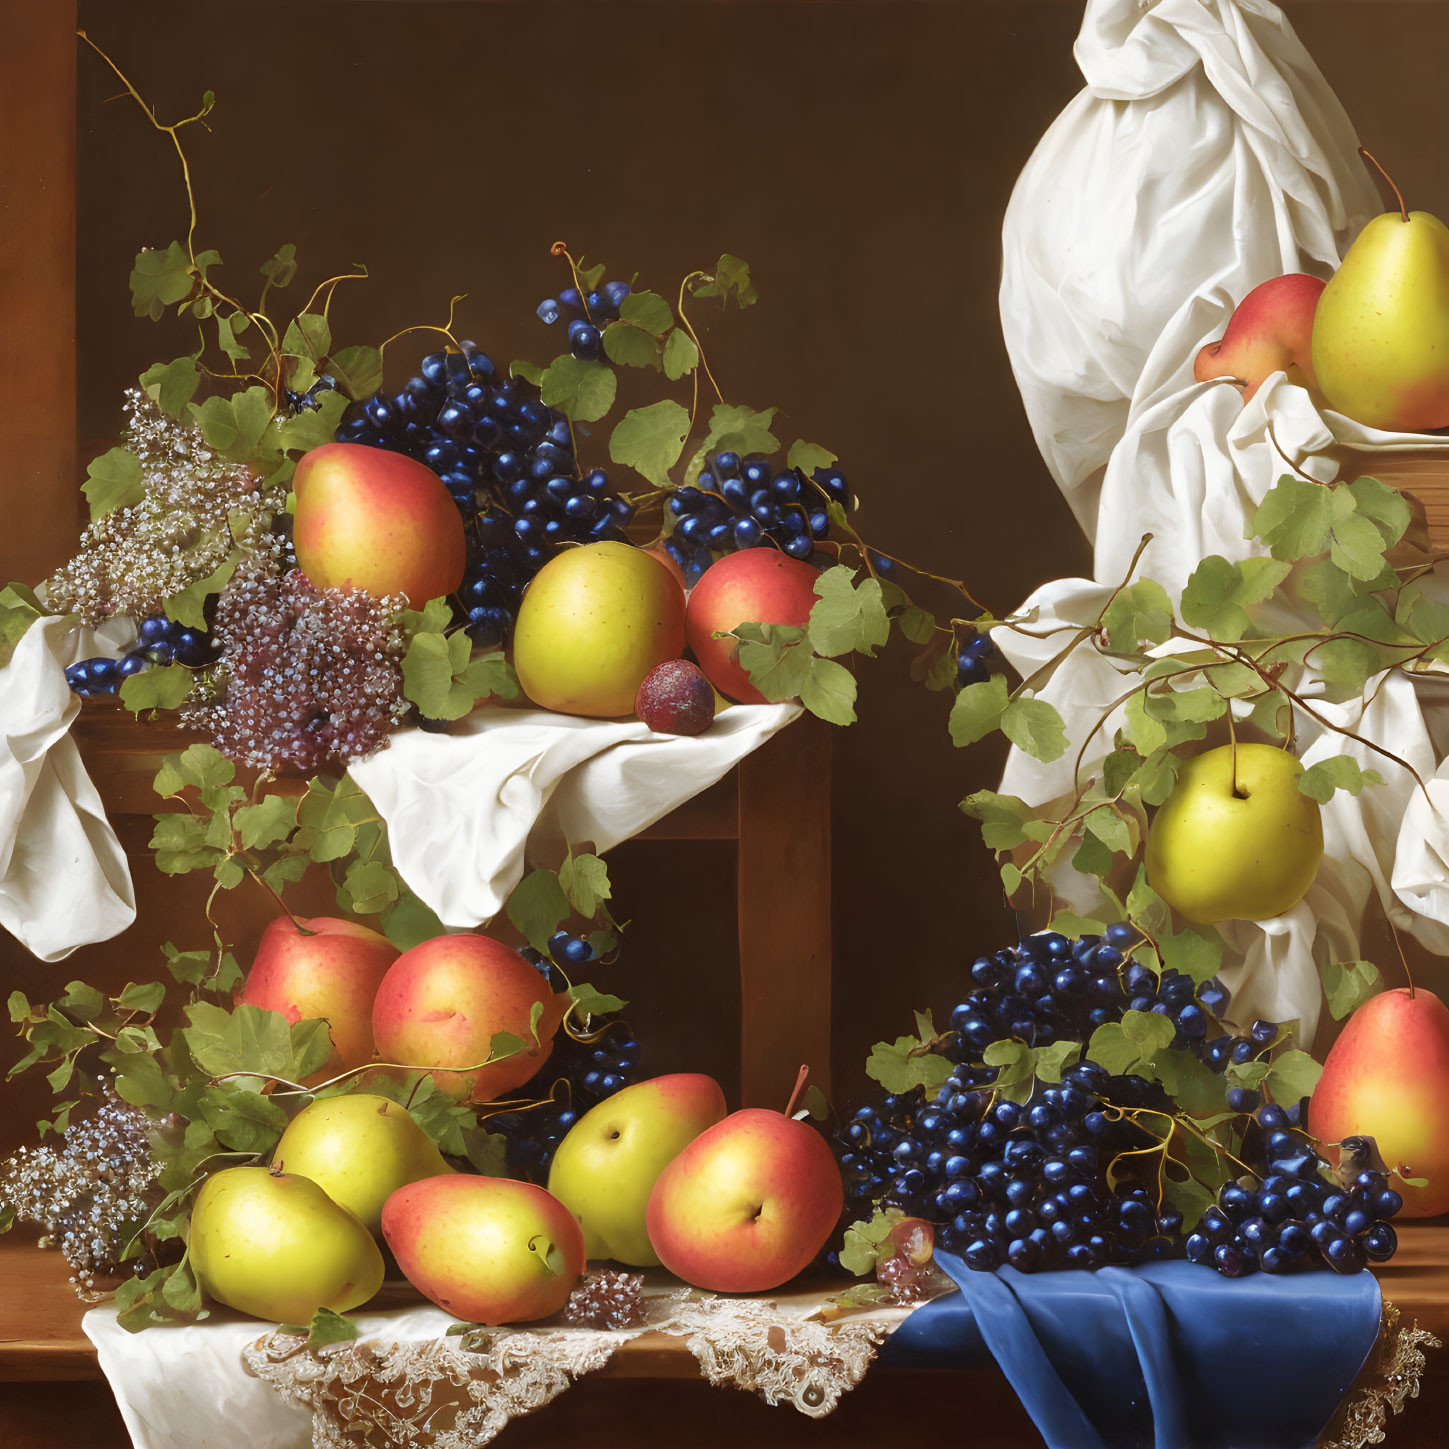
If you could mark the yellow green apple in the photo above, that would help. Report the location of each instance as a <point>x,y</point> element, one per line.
<point>486,1249</point>
<point>747,1205</point>
<point>758,585</point>
<point>1387,1077</point>
<point>440,1005</point>
<point>594,621</point>
<point>328,969</point>
<point>1237,839</point>
<point>605,1169</point>
<point>1381,332</point>
<point>274,1245</point>
<point>359,1149</point>
<point>367,518</point>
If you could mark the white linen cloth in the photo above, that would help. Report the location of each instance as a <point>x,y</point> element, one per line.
<point>1206,155</point>
<point>64,881</point>
<point>467,812</point>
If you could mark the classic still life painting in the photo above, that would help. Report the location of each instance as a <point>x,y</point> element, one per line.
<point>722,722</point>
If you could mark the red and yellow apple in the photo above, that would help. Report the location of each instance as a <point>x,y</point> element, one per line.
<point>747,1205</point>
<point>605,1169</point>
<point>1237,839</point>
<point>1387,1077</point>
<point>594,621</point>
<point>759,585</point>
<point>440,1005</point>
<point>486,1249</point>
<point>371,519</point>
<point>333,974</point>
<point>1271,330</point>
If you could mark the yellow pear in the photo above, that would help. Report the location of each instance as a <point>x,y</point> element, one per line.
<point>359,1149</point>
<point>274,1245</point>
<point>1381,332</point>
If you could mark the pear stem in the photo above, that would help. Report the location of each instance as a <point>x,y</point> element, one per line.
<point>1399,195</point>
<point>1238,792</point>
<point>1402,957</point>
<point>799,1087</point>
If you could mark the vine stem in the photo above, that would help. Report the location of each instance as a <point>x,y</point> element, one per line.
<point>689,327</point>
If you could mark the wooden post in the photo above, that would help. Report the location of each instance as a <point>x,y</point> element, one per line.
<point>38,486</point>
<point>784,913</point>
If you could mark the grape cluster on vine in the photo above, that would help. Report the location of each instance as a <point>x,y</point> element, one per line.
<point>508,462</point>
<point>588,315</point>
<point>1074,1176</point>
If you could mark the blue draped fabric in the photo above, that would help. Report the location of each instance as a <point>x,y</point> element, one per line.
<point>1164,1356</point>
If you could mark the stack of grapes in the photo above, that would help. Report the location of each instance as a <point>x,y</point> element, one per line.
<point>1029,1185</point>
<point>508,462</point>
<point>161,641</point>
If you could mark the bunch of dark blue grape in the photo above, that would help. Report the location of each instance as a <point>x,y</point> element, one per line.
<point>588,316</point>
<point>975,658</point>
<point>1022,1185</point>
<point>509,464</point>
<point>160,641</point>
<point>739,503</point>
<point>1292,1216</point>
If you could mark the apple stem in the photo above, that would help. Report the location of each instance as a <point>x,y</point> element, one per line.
<point>799,1087</point>
<point>1238,792</point>
<point>1402,957</point>
<point>1399,195</point>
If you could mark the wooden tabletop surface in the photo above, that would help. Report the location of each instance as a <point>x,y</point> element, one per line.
<point>41,1338</point>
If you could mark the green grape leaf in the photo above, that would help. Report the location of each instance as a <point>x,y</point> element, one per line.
<point>180,845</point>
<point>171,385</point>
<point>588,1002</point>
<point>650,440</point>
<point>228,325</point>
<point>487,1151</point>
<point>1146,908</point>
<point>1187,706</point>
<point>1386,506</point>
<point>1112,829</point>
<point>1140,613</point>
<point>630,347</point>
<point>19,609</point>
<point>731,281</point>
<point>1192,953</point>
<point>270,820</point>
<point>1132,1044</point>
<point>584,880</point>
<point>1004,818</point>
<point>255,1042</point>
<point>1190,1198</point>
<point>1093,857</point>
<point>1347,665</point>
<point>241,1120</point>
<point>160,280</point>
<point>1331,591</point>
<point>1292,1075</point>
<point>863,1242</point>
<point>1356,544</point>
<point>114,480</point>
<point>1248,1075</point>
<point>538,906</point>
<point>902,1064</point>
<point>281,267</point>
<point>978,710</point>
<point>807,457</point>
<point>776,657</point>
<point>188,606</point>
<point>312,427</point>
<point>844,617</point>
<point>529,371</point>
<point>1339,772</point>
<point>1034,726</point>
<point>329,1327</point>
<point>738,429</point>
<point>1348,984</point>
<point>371,886</point>
<point>647,310</point>
<point>583,390</point>
<point>357,371</point>
<point>1191,1083</point>
<point>1016,1068</point>
<point>828,691</point>
<point>1294,519</point>
<point>188,967</point>
<point>681,355</point>
<point>143,997</point>
<point>1218,595</point>
<point>1049,1062</point>
<point>308,335</point>
<point>917,625</point>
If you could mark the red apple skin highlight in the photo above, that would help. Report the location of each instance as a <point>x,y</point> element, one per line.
<point>747,1205</point>
<point>333,974</point>
<point>375,520</point>
<point>1270,331</point>
<point>440,1004</point>
<point>1387,1077</point>
<point>756,584</point>
<point>472,1245</point>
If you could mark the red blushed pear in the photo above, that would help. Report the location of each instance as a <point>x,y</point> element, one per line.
<point>759,585</point>
<point>370,519</point>
<point>1387,1077</point>
<point>332,973</point>
<point>441,1004</point>
<point>1270,331</point>
<point>748,1204</point>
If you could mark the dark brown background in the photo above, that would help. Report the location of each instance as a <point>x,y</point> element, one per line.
<point>859,155</point>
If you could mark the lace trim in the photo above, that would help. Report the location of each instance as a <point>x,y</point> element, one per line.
<point>460,1392</point>
<point>1392,1382</point>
